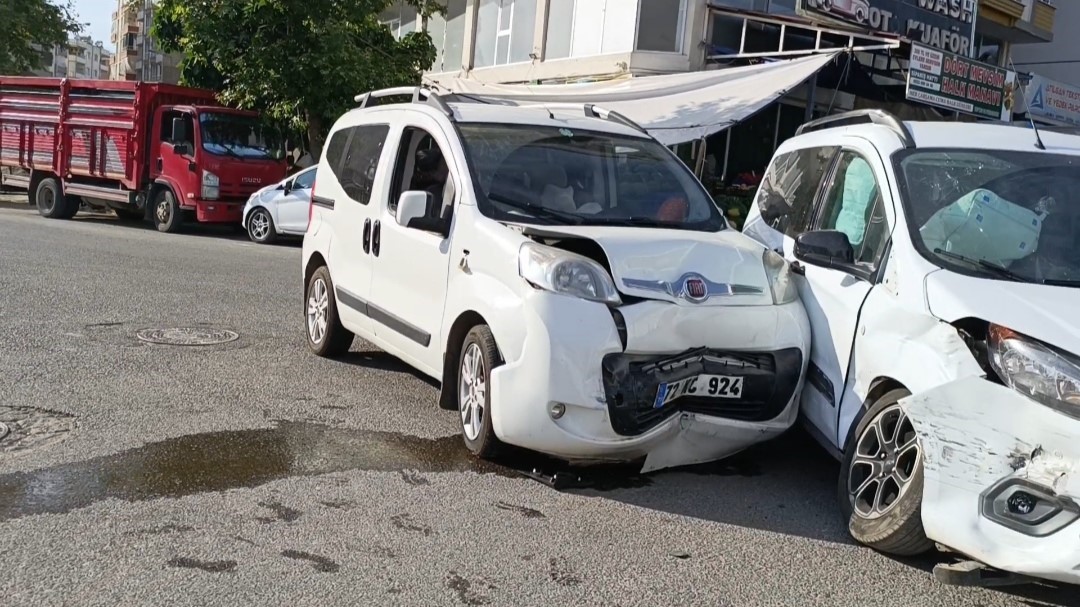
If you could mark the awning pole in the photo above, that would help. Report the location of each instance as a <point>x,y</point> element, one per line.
<point>699,162</point>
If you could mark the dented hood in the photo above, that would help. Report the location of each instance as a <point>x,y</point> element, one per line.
<point>654,263</point>
<point>1040,311</point>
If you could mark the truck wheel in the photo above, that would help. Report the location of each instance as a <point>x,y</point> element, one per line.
<point>260,227</point>
<point>167,214</point>
<point>881,480</point>
<point>326,336</point>
<point>479,356</point>
<point>50,199</point>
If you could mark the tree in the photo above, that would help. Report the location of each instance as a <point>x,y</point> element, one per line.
<point>26,22</point>
<point>297,61</point>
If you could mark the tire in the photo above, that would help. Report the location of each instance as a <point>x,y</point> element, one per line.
<point>50,200</point>
<point>894,526</point>
<point>320,302</point>
<point>166,211</point>
<point>472,382</point>
<point>260,227</point>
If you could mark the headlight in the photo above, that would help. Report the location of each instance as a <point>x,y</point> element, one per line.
<point>1036,370</point>
<point>563,272</point>
<point>210,186</point>
<point>780,281</point>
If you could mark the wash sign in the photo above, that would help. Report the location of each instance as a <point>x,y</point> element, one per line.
<point>1053,100</point>
<point>957,83</point>
<point>948,25</point>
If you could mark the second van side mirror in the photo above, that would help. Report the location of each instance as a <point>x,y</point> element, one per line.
<point>826,248</point>
<point>412,205</point>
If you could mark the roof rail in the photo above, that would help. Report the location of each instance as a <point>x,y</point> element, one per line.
<point>597,112</point>
<point>416,92</point>
<point>880,117</point>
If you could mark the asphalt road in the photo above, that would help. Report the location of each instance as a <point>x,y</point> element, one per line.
<point>252,472</point>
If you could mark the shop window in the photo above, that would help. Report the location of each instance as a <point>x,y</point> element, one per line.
<point>504,32</point>
<point>661,25</point>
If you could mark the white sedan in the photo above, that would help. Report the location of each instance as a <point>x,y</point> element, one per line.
<point>279,209</point>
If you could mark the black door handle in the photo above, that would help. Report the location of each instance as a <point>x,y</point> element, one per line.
<point>376,238</point>
<point>159,164</point>
<point>367,235</point>
<point>797,268</point>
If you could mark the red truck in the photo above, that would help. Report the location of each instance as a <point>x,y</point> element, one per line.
<point>147,150</point>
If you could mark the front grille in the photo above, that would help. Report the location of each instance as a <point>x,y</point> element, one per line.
<point>631,383</point>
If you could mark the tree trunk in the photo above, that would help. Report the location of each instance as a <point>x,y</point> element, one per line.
<point>315,135</point>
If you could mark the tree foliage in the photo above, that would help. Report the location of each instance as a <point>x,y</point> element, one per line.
<point>26,22</point>
<point>297,61</point>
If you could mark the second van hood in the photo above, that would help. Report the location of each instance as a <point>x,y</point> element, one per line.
<point>654,263</point>
<point>1043,312</point>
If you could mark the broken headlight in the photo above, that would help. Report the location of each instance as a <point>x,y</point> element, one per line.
<point>563,272</point>
<point>779,273</point>
<point>1044,373</point>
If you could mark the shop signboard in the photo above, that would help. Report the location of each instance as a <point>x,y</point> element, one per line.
<point>948,25</point>
<point>960,84</point>
<point>1053,100</point>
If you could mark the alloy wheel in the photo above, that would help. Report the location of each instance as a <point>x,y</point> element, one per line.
<point>472,391</point>
<point>887,454</point>
<point>318,305</point>
<point>260,225</point>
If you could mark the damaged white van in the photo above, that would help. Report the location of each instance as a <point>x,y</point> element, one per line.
<point>566,278</point>
<point>939,266</point>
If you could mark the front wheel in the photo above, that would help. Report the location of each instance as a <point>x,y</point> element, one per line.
<point>260,227</point>
<point>167,214</point>
<point>881,480</point>
<point>479,355</point>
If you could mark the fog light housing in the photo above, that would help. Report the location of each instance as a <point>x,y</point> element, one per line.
<point>556,410</point>
<point>1028,508</point>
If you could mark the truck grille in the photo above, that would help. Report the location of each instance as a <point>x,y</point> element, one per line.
<point>631,383</point>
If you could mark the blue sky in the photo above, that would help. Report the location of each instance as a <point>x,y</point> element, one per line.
<point>97,15</point>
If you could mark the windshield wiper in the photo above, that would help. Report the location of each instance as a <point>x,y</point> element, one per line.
<point>535,209</point>
<point>228,151</point>
<point>1001,271</point>
<point>1061,282</point>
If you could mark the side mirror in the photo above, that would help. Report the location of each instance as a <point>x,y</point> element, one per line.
<point>287,187</point>
<point>827,248</point>
<point>412,205</point>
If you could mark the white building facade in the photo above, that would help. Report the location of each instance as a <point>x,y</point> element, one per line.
<point>80,58</point>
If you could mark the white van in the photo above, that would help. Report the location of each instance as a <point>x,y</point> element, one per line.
<point>938,264</point>
<point>566,278</point>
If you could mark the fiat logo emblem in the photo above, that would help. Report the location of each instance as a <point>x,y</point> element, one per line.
<point>695,289</point>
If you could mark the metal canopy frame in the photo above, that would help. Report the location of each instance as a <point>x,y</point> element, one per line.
<point>857,40</point>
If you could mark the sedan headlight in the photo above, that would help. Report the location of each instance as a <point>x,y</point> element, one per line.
<point>563,272</point>
<point>778,271</point>
<point>210,186</point>
<point>1035,369</point>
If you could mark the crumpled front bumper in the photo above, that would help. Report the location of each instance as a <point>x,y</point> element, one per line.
<point>1002,478</point>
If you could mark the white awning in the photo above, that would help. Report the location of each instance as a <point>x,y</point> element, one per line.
<point>674,108</point>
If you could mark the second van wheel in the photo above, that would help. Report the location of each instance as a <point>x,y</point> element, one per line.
<point>479,355</point>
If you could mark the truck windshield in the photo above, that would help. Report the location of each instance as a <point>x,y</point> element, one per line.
<point>1006,215</point>
<point>238,135</point>
<point>553,175</point>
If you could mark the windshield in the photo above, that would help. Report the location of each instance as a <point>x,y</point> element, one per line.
<point>552,175</point>
<point>239,136</point>
<point>999,214</point>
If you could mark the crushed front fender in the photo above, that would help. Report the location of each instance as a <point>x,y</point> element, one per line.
<point>1002,477</point>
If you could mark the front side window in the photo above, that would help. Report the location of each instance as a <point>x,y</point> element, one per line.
<point>854,205</point>
<point>239,136</point>
<point>304,180</point>
<point>787,193</point>
<point>1005,215</point>
<point>552,175</point>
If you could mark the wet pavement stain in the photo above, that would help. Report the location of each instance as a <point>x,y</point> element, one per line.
<point>162,530</point>
<point>522,510</point>
<point>468,591</point>
<point>559,571</point>
<point>405,522</point>
<point>202,463</point>
<point>283,512</point>
<point>318,563</point>
<point>413,478</point>
<point>208,566</point>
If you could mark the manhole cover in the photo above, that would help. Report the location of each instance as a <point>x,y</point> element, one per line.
<point>26,428</point>
<point>187,336</point>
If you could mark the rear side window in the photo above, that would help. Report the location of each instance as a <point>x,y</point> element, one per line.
<point>787,193</point>
<point>353,156</point>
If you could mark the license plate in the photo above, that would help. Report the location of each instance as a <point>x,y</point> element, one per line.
<point>707,386</point>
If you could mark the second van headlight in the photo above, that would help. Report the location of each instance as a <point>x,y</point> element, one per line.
<point>567,273</point>
<point>780,280</point>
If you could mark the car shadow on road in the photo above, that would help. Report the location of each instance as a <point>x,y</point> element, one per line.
<point>202,230</point>
<point>381,361</point>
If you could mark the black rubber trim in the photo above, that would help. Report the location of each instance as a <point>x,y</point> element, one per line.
<point>323,202</point>
<point>383,317</point>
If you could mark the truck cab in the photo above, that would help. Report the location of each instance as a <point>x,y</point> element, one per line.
<point>211,159</point>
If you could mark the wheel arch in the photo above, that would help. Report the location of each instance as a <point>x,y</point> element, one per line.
<point>314,262</point>
<point>465,321</point>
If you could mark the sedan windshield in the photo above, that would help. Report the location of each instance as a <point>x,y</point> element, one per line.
<point>239,136</point>
<point>999,214</point>
<point>553,175</point>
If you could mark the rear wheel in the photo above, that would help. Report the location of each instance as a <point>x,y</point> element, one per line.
<point>167,214</point>
<point>881,481</point>
<point>50,199</point>
<point>326,336</point>
<point>479,355</point>
<point>260,227</point>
